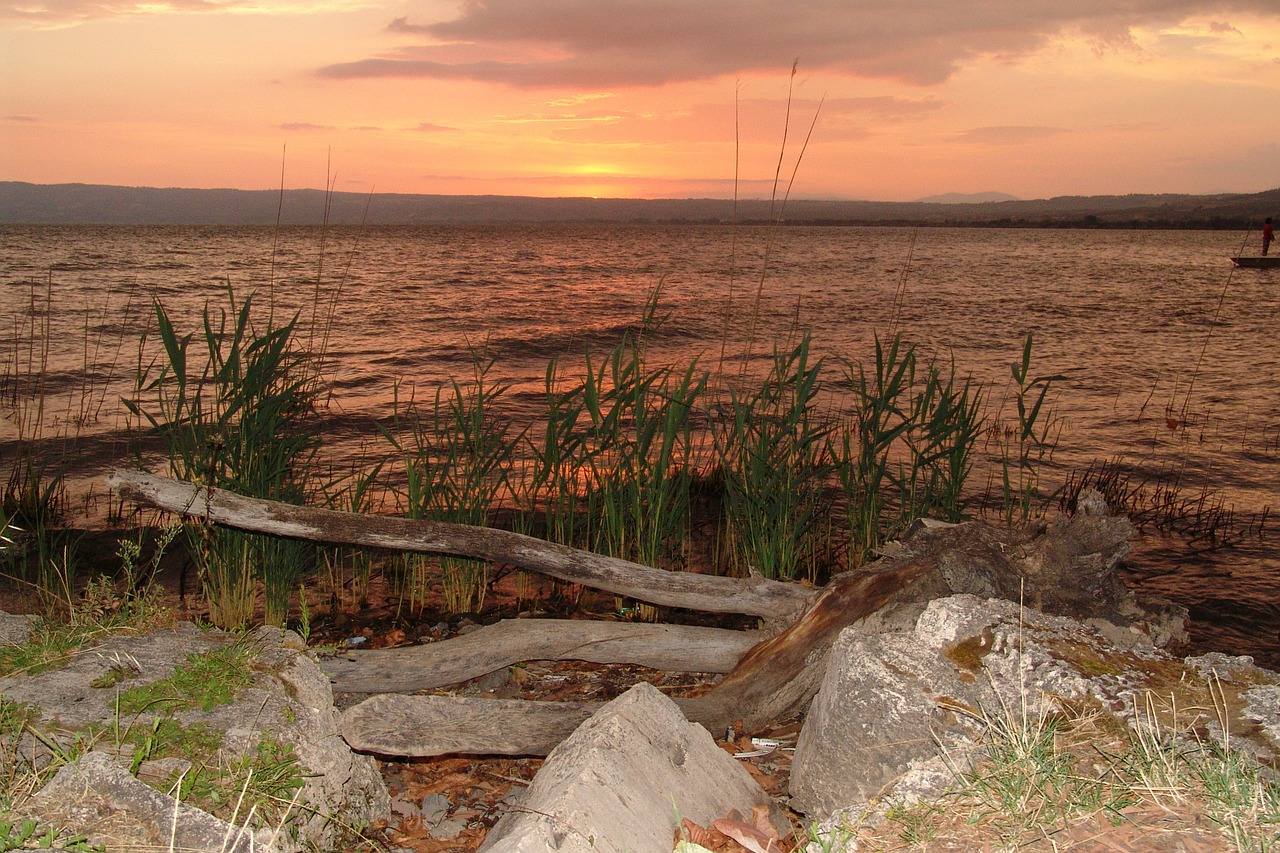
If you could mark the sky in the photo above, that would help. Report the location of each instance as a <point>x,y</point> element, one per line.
<point>858,99</point>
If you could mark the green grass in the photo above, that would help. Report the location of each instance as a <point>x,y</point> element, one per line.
<point>237,411</point>
<point>206,680</point>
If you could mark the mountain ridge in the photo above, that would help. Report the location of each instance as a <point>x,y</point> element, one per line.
<point>100,204</point>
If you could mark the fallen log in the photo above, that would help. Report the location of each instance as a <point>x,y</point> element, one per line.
<point>775,680</point>
<point>392,724</point>
<point>755,596</point>
<point>1066,568</point>
<point>672,648</point>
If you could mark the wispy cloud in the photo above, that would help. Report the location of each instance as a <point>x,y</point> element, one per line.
<point>51,14</point>
<point>591,44</point>
<point>1009,134</point>
<point>305,126</point>
<point>22,119</point>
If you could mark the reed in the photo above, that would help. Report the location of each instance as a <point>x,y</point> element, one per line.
<point>240,415</point>
<point>346,572</point>
<point>946,423</point>
<point>457,458</point>
<point>548,489</point>
<point>1162,502</point>
<point>640,439</point>
<point>1027,445</point>
<point>879,421</point>
<point>774,454</point>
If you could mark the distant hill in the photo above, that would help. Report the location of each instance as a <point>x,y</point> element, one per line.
<point>966,198</point>
<point>67,204</point>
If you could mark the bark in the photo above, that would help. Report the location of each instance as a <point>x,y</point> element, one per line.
<point>754,596</point>
<point>672,648</point>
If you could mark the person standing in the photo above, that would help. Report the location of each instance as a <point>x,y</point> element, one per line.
<point>1268,234</point>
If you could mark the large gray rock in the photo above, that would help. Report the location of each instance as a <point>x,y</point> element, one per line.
<point>15,630</point>
<point>290,701</point>
<point>622,782</point>
<point>127,814</point>
<point>891,704</point>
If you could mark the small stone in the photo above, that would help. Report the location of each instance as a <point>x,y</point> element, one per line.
<point>435,807</point>
<point>448,829</point>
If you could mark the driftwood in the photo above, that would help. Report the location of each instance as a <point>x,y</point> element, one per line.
<point>1065,568</point>
<point>754,596</point>
<point>775,680</point>
<point>392,724</point>
<point>675,648</point>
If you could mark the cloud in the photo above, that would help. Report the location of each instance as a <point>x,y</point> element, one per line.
<point>305,126</point>
<point>55,14</point>
<point>1009,134</point>
<point>428,127</point>
<point>22,119</point>
<point>593,44</point>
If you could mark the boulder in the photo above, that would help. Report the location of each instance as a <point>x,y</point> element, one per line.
<point>128,814</point>
<point>622,782</point>
<point>892,704</point>
<point>289,701</point>
<point>15,630</point>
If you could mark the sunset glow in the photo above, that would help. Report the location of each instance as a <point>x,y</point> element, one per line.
<point>663,98</point>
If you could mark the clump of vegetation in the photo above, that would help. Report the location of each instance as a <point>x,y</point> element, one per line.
<point>237,414</point>
<point>1048,781</point>
<point>206,680</point>
<point>263,783</point>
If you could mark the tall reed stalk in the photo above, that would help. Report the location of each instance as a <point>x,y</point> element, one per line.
<point>641,439</point>
<point>33,493</point>
<point>1025,448</point>
<point>238,414</point>
<point>457,458</point>
<point>946,423</point>
<point>549,491</point>
<point>880,418</point>
<point>773,451</point>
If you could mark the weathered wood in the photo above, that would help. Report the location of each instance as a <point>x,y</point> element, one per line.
<point>672,648</point>
<point>778,677</point>
<point>1066,567</point>
<point>754,596</point>
<point>392,724</point>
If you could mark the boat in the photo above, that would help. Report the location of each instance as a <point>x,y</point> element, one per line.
<point>1262,262</point>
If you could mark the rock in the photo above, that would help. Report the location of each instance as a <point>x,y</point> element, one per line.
<point>623,780</point>
<point>15,630</point>
<point>434,809</point>
<point>289,702</point>
<point>890,701</point>
<point>342,783</point>
<point>97,790</point>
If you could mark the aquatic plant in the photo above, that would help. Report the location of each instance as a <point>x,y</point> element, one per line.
<point>773,451</point>
<point>239,415</point>
<point>457,457</point>
<point>1024,447</point>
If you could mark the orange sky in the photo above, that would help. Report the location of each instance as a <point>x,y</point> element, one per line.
<point>645,97</point>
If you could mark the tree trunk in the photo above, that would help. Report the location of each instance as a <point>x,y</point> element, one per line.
<point>391,724</point>
<point>774,680</point>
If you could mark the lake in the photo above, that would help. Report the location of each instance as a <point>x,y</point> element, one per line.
<point>1168,355</point>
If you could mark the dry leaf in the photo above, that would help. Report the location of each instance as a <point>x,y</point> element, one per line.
<point>710,839</point>
<point>747,835</point>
